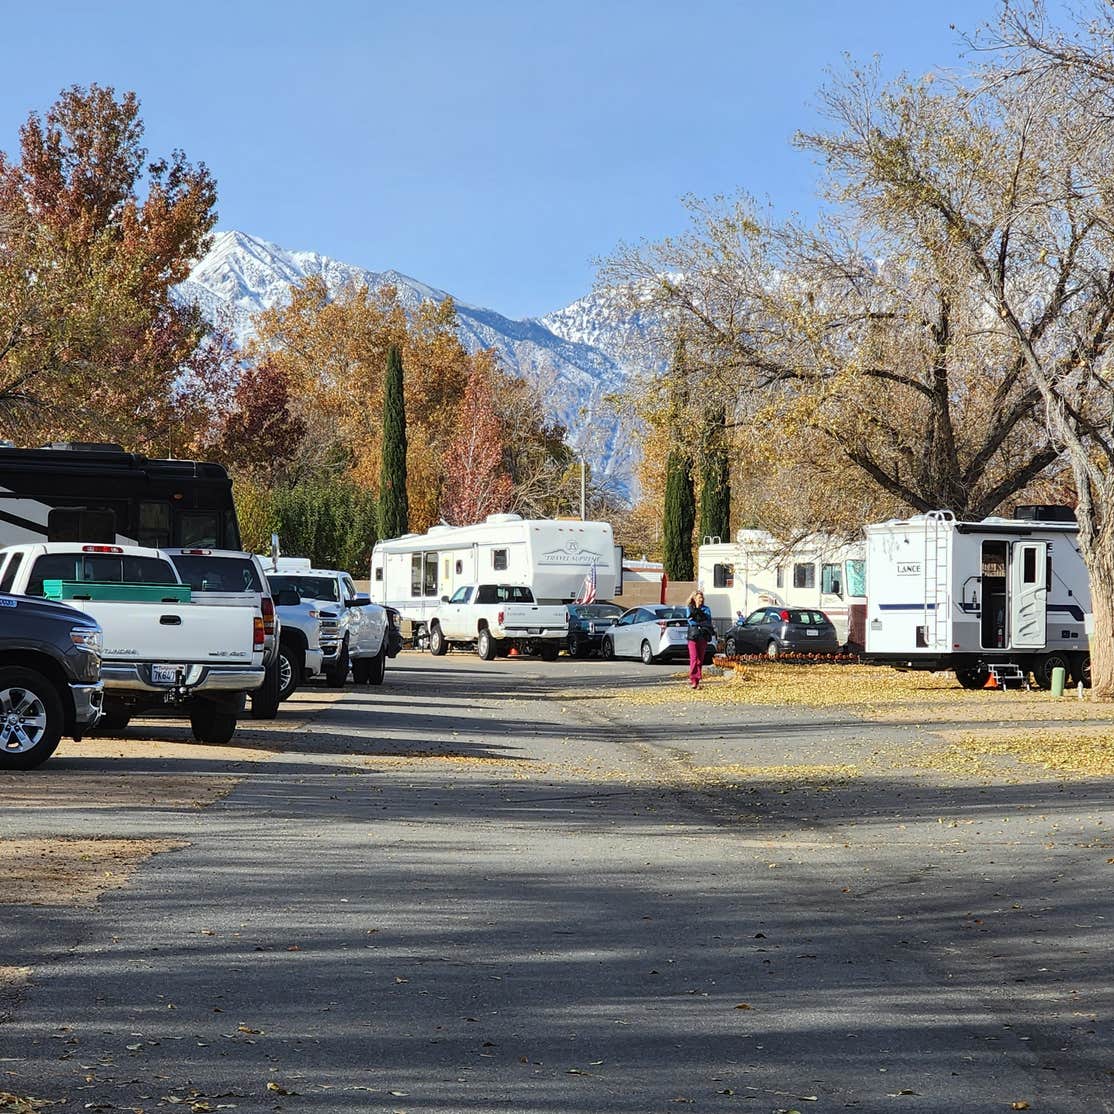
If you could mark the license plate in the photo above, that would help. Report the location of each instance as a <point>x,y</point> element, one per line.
<point>533,630</point>
<point>812,633</point>
<point>164,674</point>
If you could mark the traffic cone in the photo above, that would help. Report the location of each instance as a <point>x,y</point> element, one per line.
<point>512,652</point>
<point>991,682</point>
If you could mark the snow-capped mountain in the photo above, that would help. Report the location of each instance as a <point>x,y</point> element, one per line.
<point>571,349</point>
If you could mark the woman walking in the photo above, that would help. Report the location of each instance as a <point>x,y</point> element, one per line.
<point>700,633</point>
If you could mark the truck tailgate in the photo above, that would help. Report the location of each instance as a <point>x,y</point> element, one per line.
<point>175,633</point>
<point>534,618</point>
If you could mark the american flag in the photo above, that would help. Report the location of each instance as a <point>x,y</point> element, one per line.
<point>588,589</point>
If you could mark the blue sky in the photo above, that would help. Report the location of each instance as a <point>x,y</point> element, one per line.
<point>491,148</point>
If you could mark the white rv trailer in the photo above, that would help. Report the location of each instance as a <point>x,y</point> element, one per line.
<point>552,557</point>
<point>968,596</point>
<point>755,570</point>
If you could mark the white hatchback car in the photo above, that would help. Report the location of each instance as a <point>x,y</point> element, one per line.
<point>652,632</point>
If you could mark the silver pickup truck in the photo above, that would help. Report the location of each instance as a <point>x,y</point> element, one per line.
<point>161,650</point>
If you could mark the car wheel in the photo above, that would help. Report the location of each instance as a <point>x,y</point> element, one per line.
<point>1045,664</point>
<point>265,700</point>
<point>212,724</point>
<point>578,647</point>
<point>646,653</point>
<point>773,650</point>
<point>337,674</point>
<point>485,645</point>
<point>31,719</point>
<point>438,644</point>
<point>972,676</point>
<point>607,649</point>
<point>289,670</point>
<point>729,647</point>
<point>377,667</point>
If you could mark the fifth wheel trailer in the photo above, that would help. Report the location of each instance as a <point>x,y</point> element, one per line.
<point>970,596</point>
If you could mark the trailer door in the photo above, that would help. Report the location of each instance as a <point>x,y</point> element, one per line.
<point>1028,595</point>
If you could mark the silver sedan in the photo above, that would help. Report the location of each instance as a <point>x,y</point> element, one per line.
<point>652,632</point>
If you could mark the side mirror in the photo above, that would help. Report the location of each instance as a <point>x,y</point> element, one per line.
<point>288,597</point>
<point>357,601</point>
<point>444,599</point>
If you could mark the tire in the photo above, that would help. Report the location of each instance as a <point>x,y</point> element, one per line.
<point>773,650</point>
<point>361,670</point>
<point>337,673</point>
<point>1081,671</point>
<point>438,643</point>
<point>377,667</point>
<point>291,665</point>
<point>1043,666</point>
<point>485,645</point>
<point>31,719</point>
<point>646,654</point>
<point>212,724</point>
<point>265,700</point>
<point>607,649</point>
<point>972,676</point>
<point>548,651</point>
<point>115,719</point>
<point>729,647</point>
<point>578,646</point>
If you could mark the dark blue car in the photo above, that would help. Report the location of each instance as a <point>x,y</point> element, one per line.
<point>587,623</point>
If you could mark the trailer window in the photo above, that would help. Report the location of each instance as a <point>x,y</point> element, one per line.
<point>81,524</point>
<point>804,575</point>
<point>830,582</point>
<point>198,529</point>
<point>154,525</point>
<point>430,574</point>
<point>379,574</point>
<point>499,559</point>
<point>459,567</point>
<point>723,576</point>
<point>1029,565</point>
<point>416,575</point>
<point>780,576</point>
<point>856,578</point>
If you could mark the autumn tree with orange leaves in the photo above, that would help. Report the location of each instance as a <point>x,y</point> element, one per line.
<point>479,484</point>
<point>93,237</point>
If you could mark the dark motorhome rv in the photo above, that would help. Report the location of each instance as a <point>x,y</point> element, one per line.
<point>101,494</point>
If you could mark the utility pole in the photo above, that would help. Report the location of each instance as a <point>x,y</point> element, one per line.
<point>583,488</point>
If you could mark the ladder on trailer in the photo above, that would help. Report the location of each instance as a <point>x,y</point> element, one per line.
<point>937,579</point>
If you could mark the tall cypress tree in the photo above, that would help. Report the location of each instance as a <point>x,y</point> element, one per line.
<point>394,508</point>
<point>715,477</point>
<point>679,517</point>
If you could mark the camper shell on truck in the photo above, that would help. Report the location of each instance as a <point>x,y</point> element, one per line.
<point>552,557</point>
<point>1004,595</point>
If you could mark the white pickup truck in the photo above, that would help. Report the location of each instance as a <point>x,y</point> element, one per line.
<point>495,617</point>
<point>161,650</point>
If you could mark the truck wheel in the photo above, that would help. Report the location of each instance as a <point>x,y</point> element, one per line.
<point>485,645</point>
<point>115,718</point>
<point>647,654</point>
<point>265,700</point>
<point>212,724</point>
<point>337,674</point>
<point>972,676</point>
<point>360,670</point>
<point>291,665</point>
<point>548,651</point>
<point>438,644</point>
<point>31,719</point>
<point>1043,666</point>
<point>377,667</point>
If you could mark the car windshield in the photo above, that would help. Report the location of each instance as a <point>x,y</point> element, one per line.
<point>218,574</point>
<point>308,587</point>
<point>596,610</point>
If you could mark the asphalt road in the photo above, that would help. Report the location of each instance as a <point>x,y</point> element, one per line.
<point>492,888</point>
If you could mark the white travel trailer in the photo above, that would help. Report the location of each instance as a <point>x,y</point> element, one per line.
<point>552,557</point>
<point>972,596</point>
<point>756,571</point>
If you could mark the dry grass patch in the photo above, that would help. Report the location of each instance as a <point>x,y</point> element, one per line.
<point>1086,752</point>
<point>71,871</point>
